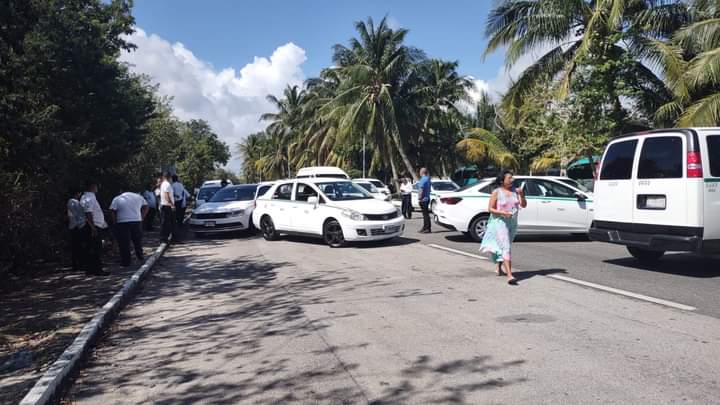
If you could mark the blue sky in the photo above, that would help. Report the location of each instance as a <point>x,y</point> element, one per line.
<point>231,33</point>
<point>219,59</point>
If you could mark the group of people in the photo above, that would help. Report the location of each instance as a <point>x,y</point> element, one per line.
<point>130,213</point>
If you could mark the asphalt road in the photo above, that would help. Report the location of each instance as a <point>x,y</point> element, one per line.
<point>242,320</point>
<point>681,278</point>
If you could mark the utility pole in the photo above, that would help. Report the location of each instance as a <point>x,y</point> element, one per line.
<point>363,155</point>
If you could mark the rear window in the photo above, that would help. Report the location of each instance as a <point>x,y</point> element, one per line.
<point>444,186</point>
<point>618,161</point>
<point>713,143</point>
<point>661,158</point>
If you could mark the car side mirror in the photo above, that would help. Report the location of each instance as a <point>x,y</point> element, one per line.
<point>580,196</point>
<point>313,200</point>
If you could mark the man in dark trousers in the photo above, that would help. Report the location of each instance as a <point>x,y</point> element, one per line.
<point>76,223</point>
<point>149,196</point>
<point>128,211</point>
<point>424,199</point>
<point>92,234</point>
<point>167,208</point>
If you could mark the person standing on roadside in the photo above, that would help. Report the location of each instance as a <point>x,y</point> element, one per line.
<point>92,234</point>
<point>149,196</point>
<point>505,203</point>
<point>76,223</point>
<point>167,206</point>
<point>180,195</point>
<point>424,199</point>
<point>128,211</point>
<point>406,194</point>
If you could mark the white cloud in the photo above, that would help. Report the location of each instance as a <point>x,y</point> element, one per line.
<point>479,86</point>
<point>230,101</point>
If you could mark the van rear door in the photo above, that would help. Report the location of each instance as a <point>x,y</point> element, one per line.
<point>661,187</point>
<point>711,192</point>
<point>614,187</point>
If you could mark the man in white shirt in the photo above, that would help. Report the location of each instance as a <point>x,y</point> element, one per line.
<point>406,193</point>
<point>95,221</point>
<point>167,206</point>
<point>128,211</point>
<point>180,194</point>
<point>76,223</point>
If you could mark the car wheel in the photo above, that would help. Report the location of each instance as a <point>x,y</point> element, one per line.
<point>644,255</point>
<point>333,234</point>
<point>432,206</point>
<point>478,227</point>
<point>199,235</point>
<point>436,219</point>
<point>268,228</point>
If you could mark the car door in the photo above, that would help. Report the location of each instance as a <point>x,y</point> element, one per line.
<point>280,207</point>
<point>559,209</point>
<point>527,217</point>
<point>414,196</point>
<point>661,195</point>
<point>711,216</point>
<point>306,217</point>
<point>614,187</point>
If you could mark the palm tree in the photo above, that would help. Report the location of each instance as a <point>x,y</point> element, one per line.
<point>579,33</point>
<point>372,69</point>
<point>286,123</point>
<point>482,146</point>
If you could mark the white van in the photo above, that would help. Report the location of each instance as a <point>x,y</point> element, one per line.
<point>659,191</point>
<point>322,171</point>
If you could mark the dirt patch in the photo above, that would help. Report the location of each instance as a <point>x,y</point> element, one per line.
<point>42,314</point>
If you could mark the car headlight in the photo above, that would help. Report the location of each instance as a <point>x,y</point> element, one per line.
<point>354,215</point>
<point>236,213</point>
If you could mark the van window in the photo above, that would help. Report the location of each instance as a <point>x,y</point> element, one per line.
<point>661,158</point>
<point>713,142</point>
<point>283,192</point>
<point>618,161</point>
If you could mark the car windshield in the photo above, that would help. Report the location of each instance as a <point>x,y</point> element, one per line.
<point>368,186</point>
<point>575,184</point>
<point>444,186</point>
<point>343,191</point>
<point>206,193</point>
<point>242,193</point>
<point>377,183</point>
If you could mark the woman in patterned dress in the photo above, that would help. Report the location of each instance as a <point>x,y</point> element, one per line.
<point>504,206</point>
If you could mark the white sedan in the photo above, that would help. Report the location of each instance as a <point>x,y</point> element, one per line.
<point>229,209</point>
<point>438,188</point>
<point>375,192</point>
<point>553,208</point>
<point>377,183</point>
<point>337,210</point>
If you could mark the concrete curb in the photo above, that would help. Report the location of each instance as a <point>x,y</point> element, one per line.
<point>50,384</point>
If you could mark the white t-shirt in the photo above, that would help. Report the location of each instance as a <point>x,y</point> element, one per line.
<point>165,189</point>
<point>90,204</point>
<point>128,207</point>
<point>406,188</point>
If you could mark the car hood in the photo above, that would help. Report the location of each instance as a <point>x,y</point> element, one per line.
<point>368,206</point>
<point>210,207</point>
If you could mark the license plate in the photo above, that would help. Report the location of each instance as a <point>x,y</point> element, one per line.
<point>655,202</point>
<point>209,224</point>
<point>390,228</point>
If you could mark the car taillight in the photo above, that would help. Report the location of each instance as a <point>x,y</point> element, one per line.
<point>450,200</point>
<point>694,165</point>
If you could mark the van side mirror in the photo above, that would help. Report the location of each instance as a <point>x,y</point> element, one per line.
<point>313,200</point>
<point>580,196</point>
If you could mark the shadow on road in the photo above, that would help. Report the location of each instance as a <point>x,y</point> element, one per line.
<point>678,264</point>
<point>525,275</point>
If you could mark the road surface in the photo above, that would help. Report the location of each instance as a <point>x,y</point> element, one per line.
<point>248,321</point>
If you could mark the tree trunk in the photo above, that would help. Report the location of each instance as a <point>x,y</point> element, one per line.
<point>396,177</point>
<point>403,155</point>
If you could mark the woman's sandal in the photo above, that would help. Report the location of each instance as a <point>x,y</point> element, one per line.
<point>512,281</point>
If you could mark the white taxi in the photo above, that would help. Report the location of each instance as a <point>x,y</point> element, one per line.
<point>553,207</point>
<point>337,210</point>
<point>438,188</point>
<point>228,210</point>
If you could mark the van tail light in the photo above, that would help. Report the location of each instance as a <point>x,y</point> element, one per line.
<point>450,200</point>
<point>694,165</point>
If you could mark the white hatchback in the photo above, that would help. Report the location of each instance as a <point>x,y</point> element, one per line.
<point>553,207</point>
<point>337,210</point>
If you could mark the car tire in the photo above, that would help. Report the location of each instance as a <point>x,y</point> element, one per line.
<point>478,227</point>
<point>268,228</point>
<point>199,235</point>
<point>432,206</point>
<point>333,234</point>
<point>645,255</point>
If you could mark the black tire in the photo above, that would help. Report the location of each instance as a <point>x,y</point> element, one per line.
<point>333,234</point>
<point>268,228</point>
<point>432,206</point>
<point>199,235</point>
<point>477,227</point>
<point>644,255</point>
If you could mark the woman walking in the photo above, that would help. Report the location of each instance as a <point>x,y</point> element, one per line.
<point>504,206</point>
